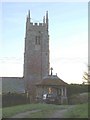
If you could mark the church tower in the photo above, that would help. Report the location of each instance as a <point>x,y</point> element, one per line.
<point>36,55</point>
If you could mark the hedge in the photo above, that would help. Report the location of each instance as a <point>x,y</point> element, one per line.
<point>11,99</point>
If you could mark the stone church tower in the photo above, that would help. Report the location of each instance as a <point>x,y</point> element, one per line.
<point>36,55</point>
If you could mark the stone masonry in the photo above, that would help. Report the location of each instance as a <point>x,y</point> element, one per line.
<point>36,55</point>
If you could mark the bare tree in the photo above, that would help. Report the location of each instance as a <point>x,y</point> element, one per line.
<point>86,78</point>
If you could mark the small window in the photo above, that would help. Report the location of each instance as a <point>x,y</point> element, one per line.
<point>37,40</point>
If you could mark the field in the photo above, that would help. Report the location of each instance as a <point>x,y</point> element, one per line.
<point>79,111</point>
<point>47,110</point>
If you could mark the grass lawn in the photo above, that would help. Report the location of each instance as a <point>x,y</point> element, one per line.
<point>45,109</point>
<point>0,113</point>
<point>79,111</point>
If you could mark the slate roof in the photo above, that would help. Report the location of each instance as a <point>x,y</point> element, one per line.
<point>13,84</point>
<point>53,80</point>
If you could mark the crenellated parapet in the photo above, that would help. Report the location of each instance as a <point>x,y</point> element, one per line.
<point>36,24</point>
<point>32,24</point>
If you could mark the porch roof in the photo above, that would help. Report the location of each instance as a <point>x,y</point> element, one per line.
<point>52,80</point>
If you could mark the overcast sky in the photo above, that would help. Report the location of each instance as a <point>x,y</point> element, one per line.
<point>68,30</point>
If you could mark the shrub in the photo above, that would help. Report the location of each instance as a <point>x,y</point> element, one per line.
<point>76,89</point>
<point>11,99</point>
<point>78,98</point>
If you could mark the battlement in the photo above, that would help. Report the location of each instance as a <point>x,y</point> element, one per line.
<point>40,24</point>
<point>36,24</point>
<point>31,23</point>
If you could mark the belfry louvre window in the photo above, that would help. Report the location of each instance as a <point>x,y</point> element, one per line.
<point>37,40</point>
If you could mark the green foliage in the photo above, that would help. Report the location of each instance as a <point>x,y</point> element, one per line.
<point>79,111</point>
<point>89,105</point>
<point>79,98</point>
<point>73,89</point>
<point>11,99</point>
<point>76,88</point>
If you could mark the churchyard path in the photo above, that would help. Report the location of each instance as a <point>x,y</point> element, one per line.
<point>25,114</point>
<point>56,113</point>
<point>61,113</point>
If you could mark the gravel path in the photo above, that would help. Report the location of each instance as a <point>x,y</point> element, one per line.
<point>24,114</point>
<point>60,113</point>
<point>56,114</point>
